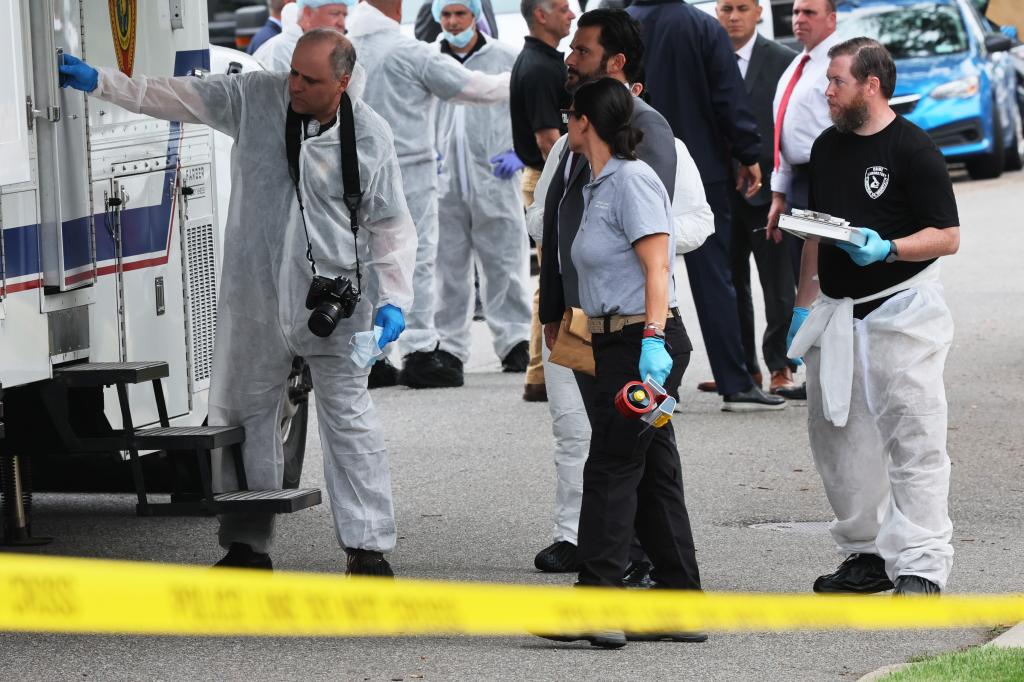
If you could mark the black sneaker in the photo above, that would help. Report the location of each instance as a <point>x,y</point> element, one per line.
<point>448,361</point>
<point>242,556</point>
<point>559,557</point>
<point>382,374</point>
<point>603,639</point>
<point>795,393</point>
<point>424,369</point>
<point>915,585</point>
<point>858,574</point>
<point>638,576</point>
<point>752,400</point>
<point>517,359</point>
<point>367,562</point>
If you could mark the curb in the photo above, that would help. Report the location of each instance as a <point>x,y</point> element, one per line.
<point>1012,638</point>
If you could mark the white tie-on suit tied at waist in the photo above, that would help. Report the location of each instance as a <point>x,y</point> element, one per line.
<point>830,327</point>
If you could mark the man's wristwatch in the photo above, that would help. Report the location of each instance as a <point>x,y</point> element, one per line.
<point>893,253</point>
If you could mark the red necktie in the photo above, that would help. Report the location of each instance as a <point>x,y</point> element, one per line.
<point>783,104</point>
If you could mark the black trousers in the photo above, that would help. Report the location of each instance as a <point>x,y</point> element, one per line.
<point>632,482</point>
<point>776,275</point>
<point>710,274</point>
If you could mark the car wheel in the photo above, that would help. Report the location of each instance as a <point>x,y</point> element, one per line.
<point>294,420</point>
<point>1015,152</point>
<point>986,166</point>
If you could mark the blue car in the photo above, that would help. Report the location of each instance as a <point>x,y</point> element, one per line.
<point>955,77</point>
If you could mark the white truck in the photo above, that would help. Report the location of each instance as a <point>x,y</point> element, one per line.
<point>110,253</point>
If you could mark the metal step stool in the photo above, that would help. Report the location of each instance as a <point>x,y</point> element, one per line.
<point>177,441</point>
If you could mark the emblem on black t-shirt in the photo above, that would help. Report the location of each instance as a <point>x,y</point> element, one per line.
<point>876,179</point>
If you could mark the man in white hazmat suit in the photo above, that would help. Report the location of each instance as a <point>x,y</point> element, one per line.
<point>262,317</point>
<point>480,212</point>
<point>876,336</point>
<point>405,77</point>
<point>276,53</point>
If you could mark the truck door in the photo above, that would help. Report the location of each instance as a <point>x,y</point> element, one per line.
<point>66,237</point>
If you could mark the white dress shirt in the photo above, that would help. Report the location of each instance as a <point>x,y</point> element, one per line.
<point>743,55</point>
<point>806,114</point>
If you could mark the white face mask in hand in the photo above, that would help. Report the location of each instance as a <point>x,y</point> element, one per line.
<point>365,350</point>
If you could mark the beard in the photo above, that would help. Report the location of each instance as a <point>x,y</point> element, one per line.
<point>852,117</point>
<point>581,78</point>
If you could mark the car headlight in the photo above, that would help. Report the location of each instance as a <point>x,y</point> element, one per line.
<point>958,89</point>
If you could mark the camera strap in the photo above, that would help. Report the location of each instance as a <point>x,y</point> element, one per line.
<point>351,192</point>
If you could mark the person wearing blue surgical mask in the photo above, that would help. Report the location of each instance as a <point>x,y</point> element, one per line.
<point>480,210</point>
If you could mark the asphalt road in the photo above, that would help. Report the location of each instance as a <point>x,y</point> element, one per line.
<point>473,483</point>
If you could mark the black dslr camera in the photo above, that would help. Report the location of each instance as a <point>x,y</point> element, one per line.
<point>330,300</point>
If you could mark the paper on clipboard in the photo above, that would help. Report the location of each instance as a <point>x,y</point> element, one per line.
<point>821,227</point>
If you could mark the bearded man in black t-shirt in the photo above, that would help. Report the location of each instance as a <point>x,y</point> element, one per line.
<point>877,333</point>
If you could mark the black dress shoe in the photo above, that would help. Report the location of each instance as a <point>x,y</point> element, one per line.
<point>795,393</point>
<point>603,639</point>
<point>424,369</point>
<point>517,359</point>
<point>913,585</point>
<point>559,557</point>
<point>367,562</point>
<point>638,576</point>
<point>667,636</point>
<point>752,400</point>
<point>859,574</point>
<point>241,556</point>
<point>382,374</point>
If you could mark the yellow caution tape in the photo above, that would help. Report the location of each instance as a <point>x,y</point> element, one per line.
<point>40,594</point>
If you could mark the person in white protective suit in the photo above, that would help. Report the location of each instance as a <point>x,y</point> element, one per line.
<point>262,320</point>
<point>480,212</point>
<point>607,51</point>
<point>407,78</point>
<point>276,53</point>
<point>876,336</point>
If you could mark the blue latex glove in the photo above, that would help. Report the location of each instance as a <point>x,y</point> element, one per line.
<point>506,164</point>
<point>654,360</point>
<point>77,74</point>
<point>874,251</point>
<point>390,319</point>
<point>799,317</point>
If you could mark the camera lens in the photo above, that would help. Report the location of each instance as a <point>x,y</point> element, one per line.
<point>325,318</point>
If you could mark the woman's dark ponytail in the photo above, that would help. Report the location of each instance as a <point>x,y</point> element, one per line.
<point>608,105</point>
<point>625,142</point>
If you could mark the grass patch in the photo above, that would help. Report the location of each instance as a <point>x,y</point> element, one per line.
<point>979,664</point>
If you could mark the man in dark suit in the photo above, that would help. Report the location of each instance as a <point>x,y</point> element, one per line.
<point>761,63</point>
<point>269,29</point>
<point>693,81</point>
<point>427,30</point>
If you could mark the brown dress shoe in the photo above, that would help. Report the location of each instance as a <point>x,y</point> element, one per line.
<point>712,387</point>
<point>535,393</point>
<point>782,379</point>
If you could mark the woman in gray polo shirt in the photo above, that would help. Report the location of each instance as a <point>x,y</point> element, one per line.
<point>623,253</point>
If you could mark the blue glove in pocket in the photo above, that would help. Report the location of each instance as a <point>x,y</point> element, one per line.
<point>799,317</point>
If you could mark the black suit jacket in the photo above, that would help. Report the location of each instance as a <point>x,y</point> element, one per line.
<point>767,63</point>
<point>427,30</point>
<point>693,81</point>
<point>559,284</point>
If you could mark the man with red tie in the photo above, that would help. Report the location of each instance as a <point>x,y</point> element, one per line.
<point>801,114</point>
